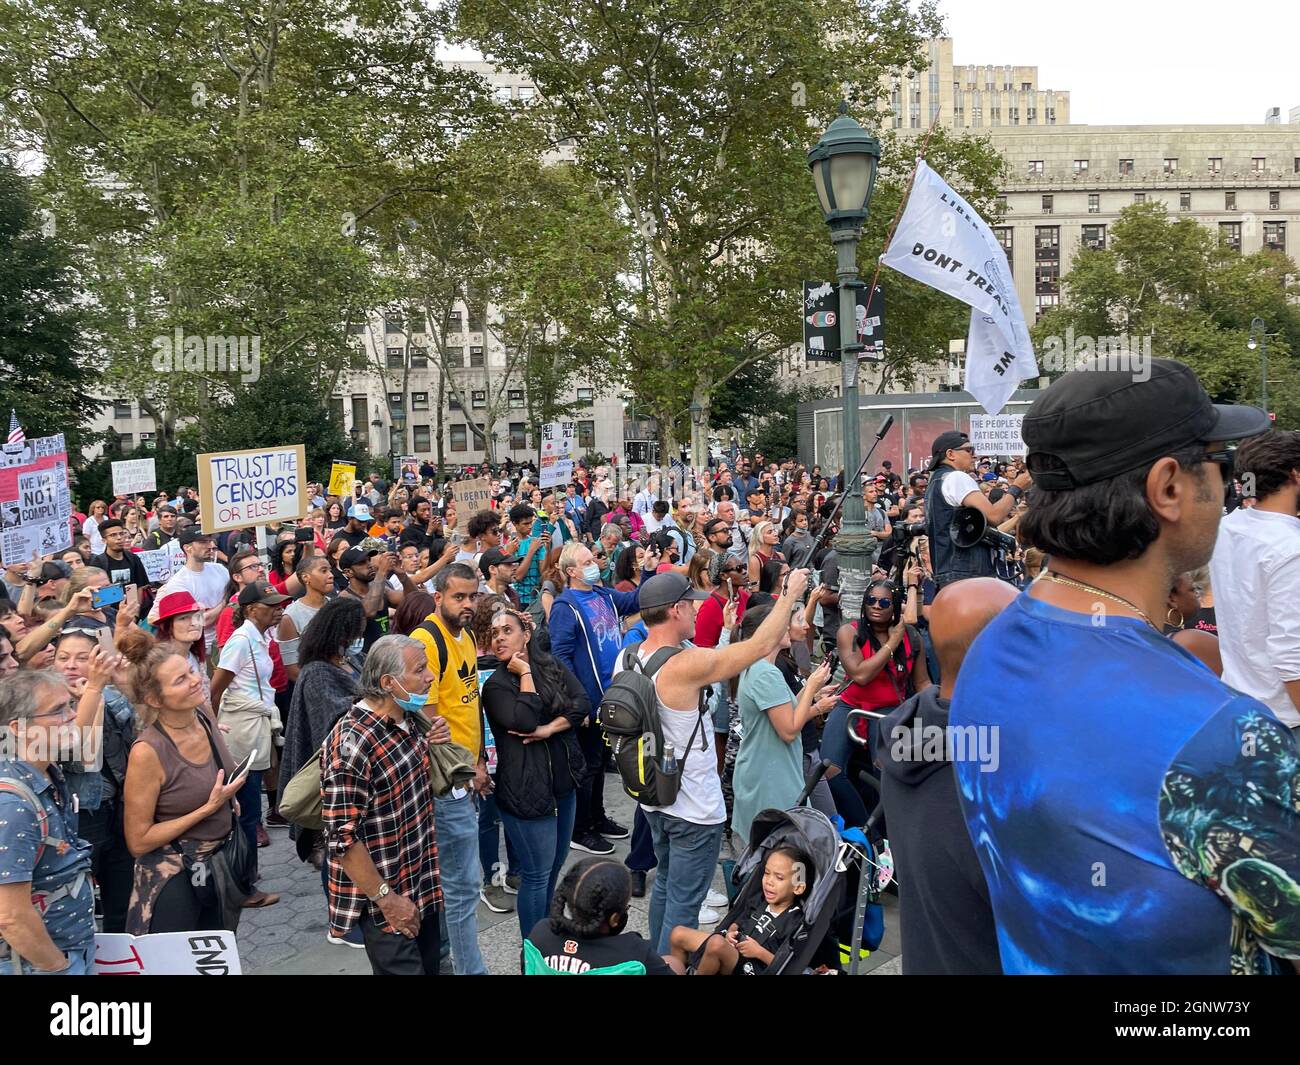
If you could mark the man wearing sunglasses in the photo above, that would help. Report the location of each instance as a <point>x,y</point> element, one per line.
<point>1141,818</point>
<point>951,487</point>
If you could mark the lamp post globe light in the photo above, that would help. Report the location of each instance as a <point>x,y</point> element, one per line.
<point>844,165</point>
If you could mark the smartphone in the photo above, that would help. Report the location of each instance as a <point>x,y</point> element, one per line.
<point>133,595</point>
<point>243,766</point>
<point>114,593</point>
<point>834,659</point>
<point>105,638</point>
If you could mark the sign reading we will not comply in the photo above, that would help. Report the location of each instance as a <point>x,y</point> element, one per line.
<point>252,487</point>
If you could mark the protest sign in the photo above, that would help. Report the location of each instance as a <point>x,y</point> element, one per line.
<point>996,434</point>
<point>410,466</point>
<point>211,953</point>
<point>161,564</point>
<point>134,476</point>
<point>472,496</point>
<point>342,474</point>
<point>557,454</point>
<point>35,500</point>
<point>252,487</point>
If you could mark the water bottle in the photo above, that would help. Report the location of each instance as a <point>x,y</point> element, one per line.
<point>670,760</point>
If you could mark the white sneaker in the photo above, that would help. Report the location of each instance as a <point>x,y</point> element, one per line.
<point>337,942</point>
<point>708,916</point>
<point>715,899</point>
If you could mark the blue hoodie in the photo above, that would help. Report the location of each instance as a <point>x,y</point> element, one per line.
<point>591,648</point>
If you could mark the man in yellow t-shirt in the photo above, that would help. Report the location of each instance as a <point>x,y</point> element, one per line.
<point>453,660</point>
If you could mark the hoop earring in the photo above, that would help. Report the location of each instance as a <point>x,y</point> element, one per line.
<point>1169,621</point>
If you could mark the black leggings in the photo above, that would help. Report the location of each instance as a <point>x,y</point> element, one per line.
<point>181,907</point>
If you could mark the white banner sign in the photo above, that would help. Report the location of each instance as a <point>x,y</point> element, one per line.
<point>167,954</point>
<point>161,564</point>
<point>557,454</point>
<point>134,476</point>
<point>242,488</point>
<point>943,243</point>
<point>996,434</point>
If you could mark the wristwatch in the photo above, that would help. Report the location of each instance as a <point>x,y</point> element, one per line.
<point>383,891</point>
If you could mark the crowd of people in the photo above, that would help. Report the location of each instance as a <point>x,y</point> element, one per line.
<point>419,697</point>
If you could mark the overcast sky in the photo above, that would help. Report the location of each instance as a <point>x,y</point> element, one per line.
<point>1142,61</point>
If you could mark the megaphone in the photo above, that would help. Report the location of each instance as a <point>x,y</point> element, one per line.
<point>970,528</point>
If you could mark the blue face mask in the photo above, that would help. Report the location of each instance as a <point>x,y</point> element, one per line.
<point>412,704</point>
<point>355,647</point>
<point>591,573</point>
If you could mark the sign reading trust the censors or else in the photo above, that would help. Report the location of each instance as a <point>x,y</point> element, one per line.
<point>252,487</point>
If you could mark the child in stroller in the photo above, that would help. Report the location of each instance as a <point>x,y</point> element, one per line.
<point>749,945</point>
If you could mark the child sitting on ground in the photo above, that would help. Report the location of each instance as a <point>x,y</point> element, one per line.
<point>585,930</point>
<point>750,945</point>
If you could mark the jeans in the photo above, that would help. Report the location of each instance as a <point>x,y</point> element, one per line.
<point>250,808</point>
<point>462,879</point>
<point>542,844</point>
<point>591,792</point>
<point>688,856</point>
<point>489,839</point>
<point>83,964</point>
<point>641,855</point>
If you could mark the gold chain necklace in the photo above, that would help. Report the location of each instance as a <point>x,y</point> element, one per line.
<point>1052,575</point>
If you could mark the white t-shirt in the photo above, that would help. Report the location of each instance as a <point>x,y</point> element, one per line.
<point>247,654</point>
<point>208,586</point>
<point>699,800</point>
<point>957,486</point>
<point>1255,573</point>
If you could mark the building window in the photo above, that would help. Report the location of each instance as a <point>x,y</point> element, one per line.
<point>515,397</point>
<point>1050,112</point>
<point>125,441</point>
<point>1026,86</point>
<point>1080,167</point>
<point>455,356</point>
<point>518,437</point>
<point>337,410</point>
<point>1035,166</point>
<point>475,357</point>
<point>1047,243</point>
<point>1094,203</point>
<point>1297,164</point>
<point>1184,201</point>
<point>359,418</point>
<point>1257,165</point>
<point>1139,197</point>
<point>1013,113</point>
<point>1230,235</point>
<point>1125,167</point>
<point>1043,301</point>
<point>1047,277</point>
<point>419,357</point>
<point>394,358</point>
<point>396,401</point>
<point>453,403</point>
<point>459,438</point>
<point>586,395</point>
<point>1047,204</point>
<point>1171,167</point>
<point>122,408</point>
<point>995,116</point>
<point>587,436</point>
<point>526,92</point>
<point>148,440</point>
<point>1094,237</point>
<point>1229,201</point>
<point>1216,164</point>
<point>1003,233</point>
<point>1002,205</point>
<point>422,443</point>
<point>1031,116</point>
<point>419,401</point>
<point>1275,236</point>
<point>392,323</point>
<point>455,324</point>
<point>478,399</point>
<point>1274,199</point>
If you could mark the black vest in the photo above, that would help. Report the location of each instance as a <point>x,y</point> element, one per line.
<point>950,562</point>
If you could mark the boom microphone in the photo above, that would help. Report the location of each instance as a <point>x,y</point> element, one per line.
<point>885,428</point>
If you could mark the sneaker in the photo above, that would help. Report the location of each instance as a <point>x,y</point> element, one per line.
<point>275,820</point>
<point>353,939</point>
<point>512,883</point>
<point>715,899</point>
<point>263,840</point>
<point>611,829</point>
<point>592,844</point>
<point>708,916</point>
<point>638,883</point>
<point>493,894</point>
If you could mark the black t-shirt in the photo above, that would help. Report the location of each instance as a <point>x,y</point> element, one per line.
<point>769,931</point>
<point>127,570</point>
<point>351,538</point>
<point>575,956</point>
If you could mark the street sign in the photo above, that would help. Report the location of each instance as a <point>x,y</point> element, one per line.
<point>821,322</point>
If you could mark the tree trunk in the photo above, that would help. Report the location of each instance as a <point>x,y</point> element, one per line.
<point>442,398</point>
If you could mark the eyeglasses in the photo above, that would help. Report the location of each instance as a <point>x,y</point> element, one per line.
<point>964,447</point>
<point>1226,460</point>
<point>883,603</point>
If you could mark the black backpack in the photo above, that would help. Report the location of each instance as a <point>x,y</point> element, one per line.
<point>629,714</point>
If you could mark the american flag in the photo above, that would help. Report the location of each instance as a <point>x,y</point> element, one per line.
<point>16,434</point>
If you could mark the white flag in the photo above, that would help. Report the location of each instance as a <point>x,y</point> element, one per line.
<point>941,242</point>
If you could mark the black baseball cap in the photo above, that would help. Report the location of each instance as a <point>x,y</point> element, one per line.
<point>193,534</point>
<point>354,556</point>
<point>1099,424</point>
<point>494,556</point>
<point>945,442</point>
<point>666,589</point>
<point>261,592</point>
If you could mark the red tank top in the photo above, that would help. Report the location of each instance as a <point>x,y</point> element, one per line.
<point>886,689</point>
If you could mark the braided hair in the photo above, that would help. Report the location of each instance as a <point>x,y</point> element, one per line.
<point>592,892</point>
<point>866,636</point>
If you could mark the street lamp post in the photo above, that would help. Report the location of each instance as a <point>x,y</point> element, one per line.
<point>396,440</point>
<point>843,165</point>
<point>1257,325</point>
<point>697,435</point>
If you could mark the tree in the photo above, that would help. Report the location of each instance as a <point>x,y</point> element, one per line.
<point>693,117</point>
<point>174,466</point>
<point>43,377</point>
<point>1171,284</point>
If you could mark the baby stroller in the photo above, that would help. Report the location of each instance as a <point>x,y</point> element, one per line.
<point>809,830</point>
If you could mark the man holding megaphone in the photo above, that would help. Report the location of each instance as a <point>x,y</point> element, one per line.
<point>951,489</point>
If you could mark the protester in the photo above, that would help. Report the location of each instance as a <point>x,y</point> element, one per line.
<point>204,579</point>
<point>379,817</point>
<point>317,581</point>
<point>117,560</point>
<point>1128,491</point>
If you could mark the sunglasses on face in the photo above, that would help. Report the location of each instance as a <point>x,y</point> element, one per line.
<point>884,603</point>
<point>1226,460</point>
